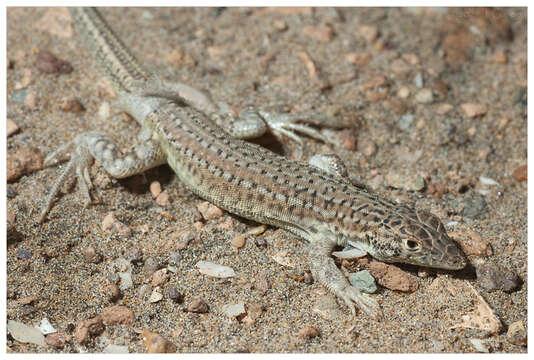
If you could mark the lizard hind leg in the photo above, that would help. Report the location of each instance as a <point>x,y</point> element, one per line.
<point>98,146</point>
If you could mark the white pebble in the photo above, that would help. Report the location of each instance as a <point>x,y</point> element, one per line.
<point>487,181</point>
<point>215,270</point>
<point>46,328</point>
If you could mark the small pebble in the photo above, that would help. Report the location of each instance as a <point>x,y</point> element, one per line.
<point>375,82</point>
<point>257,230</point>
<point>474,110</point>
<point>479,345</point>
<point>215,270</point>
<point>309,332</point>
<point>400,67</point>
<point>157,344</point>
<point>155,189</point>
<point>117,314</point>
<point>57,340</point>
<point>183,238</point>
<point>280,25</point>
<point>260,241</point>
<point>392,277</point>
<point>27,300</point>
<point>150,266</point>
<point>424,96</point>
<point>443,109</point>
<point>48,63</point>
<point>418,80</point>
<point>487,181</point>
<point>46,328</point>
<point>110,223</point>
<point>472,243</point>
<point>156,295</point>
<point>359,59</point>
<point>226,225</point>
<point>25,79</point>
<point>31,100</point>
<point>482,317</point>
<point>405,121</point>
<point>104,111</point>
<point>254,312</point>
<point>90,327</point>
<point>112,291</point>
<point>22,162</point>
<point>262,283</point>
<point>520,173</point>
<point>24,333</point>
<point>134,254</point>
<point>499,57</point>
<point>19,96</point>
<point>143,291</point>
<point>159,278</point>
<point>367,147</point>
<point>126,280</point>
<point>11,127</point>
<point>24,253</point>
<point>369,33</point>
<point>10,191</point>
<point>347,139</point>
<point>403,92</point>
<point>91,255</point>
<point>496,277</point>
<point>72,105</point>
<point>163,199</point>
<point>209,211</point>
<point>362,280</point>
<point>282,258</point>
<point>321,33</point>
<point>238,241</point>
<point>517,334</point>
<point>175,295</point>
<point>437,190</point>
<point>115,349</point>
<point>198,306</point>
<point>233,310</point>
<point>175,258</point>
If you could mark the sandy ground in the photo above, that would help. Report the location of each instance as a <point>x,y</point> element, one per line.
<point>389,72</point>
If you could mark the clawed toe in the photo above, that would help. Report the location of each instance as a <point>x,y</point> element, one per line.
<point>79,163</point>
<point>366,303</point>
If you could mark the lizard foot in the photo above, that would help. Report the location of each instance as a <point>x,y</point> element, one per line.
<point>90,146</point>
<point>80,161</point>
<point>254,123</point>
<point>350,295</point>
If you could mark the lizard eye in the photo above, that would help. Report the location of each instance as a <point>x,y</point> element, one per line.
<point>412,245</point>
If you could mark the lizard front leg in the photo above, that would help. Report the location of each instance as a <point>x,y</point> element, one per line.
<point>325,272</point>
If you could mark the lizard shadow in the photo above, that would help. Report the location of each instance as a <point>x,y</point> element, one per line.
<point>467,273</point>
<point>139,184</point>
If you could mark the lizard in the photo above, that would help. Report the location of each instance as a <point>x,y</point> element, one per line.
<point>315,200</point>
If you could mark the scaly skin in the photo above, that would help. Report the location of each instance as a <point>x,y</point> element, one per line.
<point>317,203</point>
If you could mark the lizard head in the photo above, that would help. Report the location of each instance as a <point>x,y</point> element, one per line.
<point>416,237</point>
